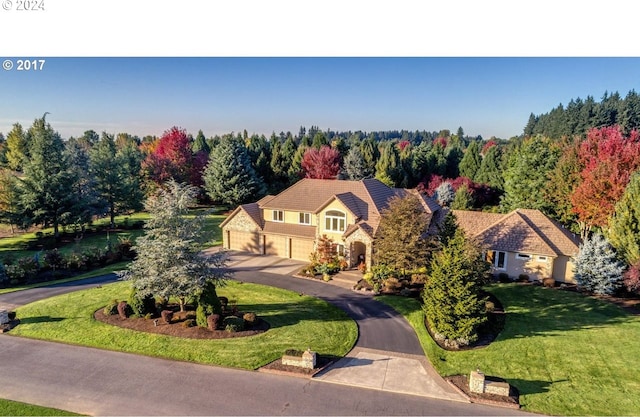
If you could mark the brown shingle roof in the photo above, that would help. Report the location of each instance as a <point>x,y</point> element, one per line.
<point>365,199</point>
<point>252,210</point>
<point>289,229</point>
<point>527,231</point>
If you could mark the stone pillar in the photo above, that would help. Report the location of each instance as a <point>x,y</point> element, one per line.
<point>476,382</point>
<point>309,359</point>
<point>4,316</point>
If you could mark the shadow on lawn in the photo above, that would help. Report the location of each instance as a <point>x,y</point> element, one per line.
<point>40,319</point>
<point>525,386</point>
<point>533,310</point>
<point>287,314</point>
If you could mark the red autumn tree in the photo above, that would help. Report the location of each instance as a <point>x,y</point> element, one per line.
<point>172,158</point>
<point>608,160</point>
<point>323,163</point>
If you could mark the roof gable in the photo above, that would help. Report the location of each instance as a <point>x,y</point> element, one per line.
<point>528,231</point>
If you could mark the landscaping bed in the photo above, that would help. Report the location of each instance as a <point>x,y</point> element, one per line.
<point>461,383</point>
<point>177,328</point>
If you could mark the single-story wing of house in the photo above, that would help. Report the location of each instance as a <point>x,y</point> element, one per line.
<point>523,242</point>
<point>289,224</point>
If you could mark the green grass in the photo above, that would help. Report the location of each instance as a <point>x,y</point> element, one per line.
<point>16,246</point>
<point>96,272</point>
<point>297,322</point>
<point>566,353</point>
<point>14,408</point>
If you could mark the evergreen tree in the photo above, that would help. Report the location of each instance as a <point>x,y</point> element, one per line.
<point>170,262</point>
<point>295,167</point>
<point>229,177</point>
<point>88,203</point>
<point>200,144</point>
<point>17,152</point>
<point>401,242</point>
<point>490,171</point>
<point>453,304</point>
<point>370,154</point>
<point>388,168</point>
<point>447,229</point>
<point>355,166</point>
<point>597,268</point>
<point>319,140</point>
<point>46,191</point>
<point>115,184</point>
<point>471,161</point>
<point>624,226</point>
<point>462,199</point>
<point>526,176</point>
<point>445,194</point>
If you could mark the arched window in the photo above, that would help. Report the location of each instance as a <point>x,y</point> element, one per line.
<point>335,221</point>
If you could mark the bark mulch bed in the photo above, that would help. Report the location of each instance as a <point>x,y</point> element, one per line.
<point>176,328</point>
<point>461,383</point>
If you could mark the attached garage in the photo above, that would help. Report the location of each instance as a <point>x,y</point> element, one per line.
<point>275,245</point>
<point>243,241</point>
<point>301,249</point>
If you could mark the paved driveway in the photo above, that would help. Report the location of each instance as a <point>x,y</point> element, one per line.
<point>386,364</point>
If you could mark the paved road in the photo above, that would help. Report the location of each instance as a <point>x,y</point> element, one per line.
<point>96,382</point>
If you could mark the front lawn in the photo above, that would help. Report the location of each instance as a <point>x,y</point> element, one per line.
<point>297,322</point>
<point>566,353</point>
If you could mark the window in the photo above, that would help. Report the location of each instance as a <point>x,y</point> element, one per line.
<point>523,256</point>
<point>278,215</point>
<point>340,249</point>
<point>305,218</point>
<point>542,259</point>
<point>497,259</point>
<point>335,221</point>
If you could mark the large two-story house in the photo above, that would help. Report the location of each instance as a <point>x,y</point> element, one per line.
<point>290,223</point>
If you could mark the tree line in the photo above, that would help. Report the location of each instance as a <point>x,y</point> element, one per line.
<point>582,181</point>
<point>581,115</point>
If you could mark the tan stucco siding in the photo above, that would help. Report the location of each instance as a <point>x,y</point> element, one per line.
<point>290,217</point>
<point>563,270</point>
<point>534,267</point>
<point>335,235</point>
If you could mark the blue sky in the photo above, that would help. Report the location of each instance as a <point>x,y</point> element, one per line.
<point>141,96</point>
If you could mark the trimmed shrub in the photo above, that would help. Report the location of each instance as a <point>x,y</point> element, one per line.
<point>189,323</point>
<point>141,306</point>
<point>111,308</point>
<point>124,309</point>
<point>201,316</point>
<point>24,269</point>
<point>523,277</point>
<point>548,282</point>
<point>233,324</point>
<point>75,261</point>
<point>4,278</point>
<point>167,316</point>
<point>250,319</point>
<point>213,321</point>
<point>503,277</point>
<point>52,259</point>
